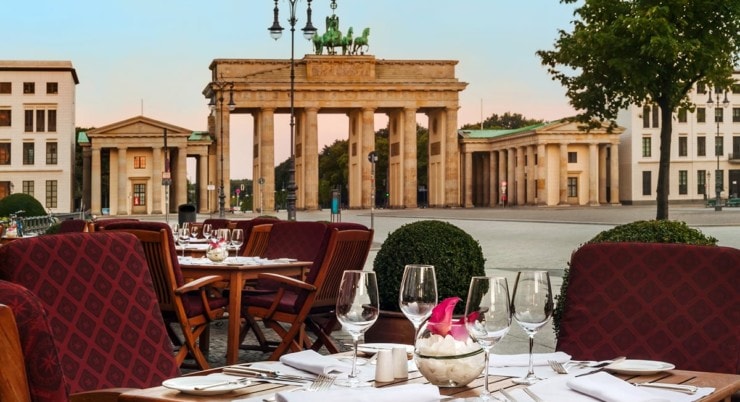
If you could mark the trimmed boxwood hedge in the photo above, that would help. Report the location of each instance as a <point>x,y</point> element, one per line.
<point>456,257</point>
<point>20,201</point>
<point>653,231</point>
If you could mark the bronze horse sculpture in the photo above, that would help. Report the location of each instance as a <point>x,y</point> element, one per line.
<point>332,38</point>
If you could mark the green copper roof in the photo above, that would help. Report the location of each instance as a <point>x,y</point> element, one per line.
<point>199,136</point>
<point>500,133</point>
<point>82,138</point>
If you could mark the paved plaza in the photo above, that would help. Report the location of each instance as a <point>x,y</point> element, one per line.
<point>520,238</point>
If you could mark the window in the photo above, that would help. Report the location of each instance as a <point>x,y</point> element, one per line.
<point>51,194</point>
<point>656,116</point>
<point>719,115</point>
<point>5,117</point>
<point>701,182</point>
<point>682,115</point>
<point>29,88</point>
<point>719,148</point>
<point>5,153</point>
<point>701,88</point>
<point>736,115</point>
<point>52,120</point>
<point>139,194</point>
<point>139,162</point>
<point>646,182</point>
<point>572,157</point>
<point>646,117</point>
<point>683,182</point>
<point>40,121</point>
<point>572,187</point>
<point>6,88</point>
<point>701,146</point>
<point>52,88</point>
<point>28,151</point>
<point>28,187</point>
<point>51,153</point>
<point>647,145</point>
<point>683,146</point>
<point>701,115</point>
<point>28,121</point>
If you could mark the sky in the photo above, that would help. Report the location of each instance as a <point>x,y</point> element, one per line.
<point>151,57</point>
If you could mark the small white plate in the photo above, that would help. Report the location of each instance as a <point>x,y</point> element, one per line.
<point>187,385</point>
<point>639,367</point>
<point>373,348</point>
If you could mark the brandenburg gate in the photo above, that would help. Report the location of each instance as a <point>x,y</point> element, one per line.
<point>358,86</point>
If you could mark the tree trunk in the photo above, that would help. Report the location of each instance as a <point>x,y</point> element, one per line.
<point>664,169</point>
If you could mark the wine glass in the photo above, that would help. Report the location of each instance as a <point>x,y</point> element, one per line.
<point>195,231</point>
<point>418,294</point>
<point>357,310</point>
<point>532,307</point>
<point>237,239</point>
<point>183,237</point>
<point>487,317</point>
<point>206,231</point>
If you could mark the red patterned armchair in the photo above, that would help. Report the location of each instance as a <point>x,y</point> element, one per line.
<point>97,292</point>
<point>670,302</point>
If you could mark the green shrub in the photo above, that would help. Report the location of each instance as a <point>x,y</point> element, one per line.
<point>54,228</point>
<point>456,257</point>
<point>20,201</point>
<point>654,231</point>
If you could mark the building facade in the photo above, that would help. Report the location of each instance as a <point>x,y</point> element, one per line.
<point>37,131</point>
<point>705,148</point>
<point>558,163</point>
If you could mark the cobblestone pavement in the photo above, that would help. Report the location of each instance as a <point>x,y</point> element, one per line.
<point>515,239</point>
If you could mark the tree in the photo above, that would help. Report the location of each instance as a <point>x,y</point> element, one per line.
<point>506,121</point>
<point>626,52</point>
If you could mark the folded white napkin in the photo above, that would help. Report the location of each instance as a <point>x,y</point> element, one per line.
<point>313,362</point>
<point>522,360</point>
<point>407,392</point>
<point>606,387</point>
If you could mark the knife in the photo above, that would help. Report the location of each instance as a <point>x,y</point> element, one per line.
<point>257,373</point>
<point>687,389</point>
<point>614,361</point>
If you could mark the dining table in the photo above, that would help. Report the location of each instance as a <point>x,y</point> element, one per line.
<point>237,271</point>
<point>725,385</point>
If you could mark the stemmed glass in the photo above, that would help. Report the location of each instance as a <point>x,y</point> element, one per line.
<point>206,231</point>
<point>194,231</point>
<point>183,237</point>
<point>418,294</point>
<point>487,317</point>
<point>532,307</point>
<point>237,239</point>
<point>357,310</point>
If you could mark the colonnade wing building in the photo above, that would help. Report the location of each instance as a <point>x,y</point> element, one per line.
<point>359,87</point>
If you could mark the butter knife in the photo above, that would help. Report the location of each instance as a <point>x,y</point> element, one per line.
<point>615,361</point>
<point>533,395</point>
<point>687,389</point>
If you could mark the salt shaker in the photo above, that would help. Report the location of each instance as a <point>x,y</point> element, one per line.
<point>400,363</point>
<point>384,366</point>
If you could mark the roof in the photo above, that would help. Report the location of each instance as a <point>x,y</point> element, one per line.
<point>482,134</point>
<point>39,65</point>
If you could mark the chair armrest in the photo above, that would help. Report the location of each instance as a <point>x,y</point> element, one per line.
<point>100,395</point>
<point>287,281</point>
<point>199,283</point>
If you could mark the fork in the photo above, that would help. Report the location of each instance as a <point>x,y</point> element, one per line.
<point>557,366</point>
<point>321,383</point>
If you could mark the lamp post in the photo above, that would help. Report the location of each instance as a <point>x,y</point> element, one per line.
<point>218,87</point>
<point>710,105</point>
<point>276,32</point>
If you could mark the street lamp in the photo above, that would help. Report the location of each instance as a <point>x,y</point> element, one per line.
<point>276,32</point>
<point>717,176</point>
<point>219,87</point>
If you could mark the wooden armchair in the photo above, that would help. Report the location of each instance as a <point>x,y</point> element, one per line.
<point>257,240</point>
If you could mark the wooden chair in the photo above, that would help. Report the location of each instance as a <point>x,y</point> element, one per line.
<point>258,238</point>
<point>14,386</point>
<point>73,226</point>
<point>286,310</point>
<point>97,297</point>
<point>190,304</point>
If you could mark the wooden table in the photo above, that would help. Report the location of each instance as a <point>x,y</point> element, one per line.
<point>725,385</point>
<point>237,275</point>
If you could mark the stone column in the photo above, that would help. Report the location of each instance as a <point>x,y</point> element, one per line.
<point>395,161</point>
<point>521,181</point>
<point>123,199</point>
<point>368,145</point>
<point>511,176</point>
<point>593,174</point>
<point>95,181</point>
<point>267,159</point>
<point>502,176</point>
<point>86,177</point>
<point>563,182</point>
<point>602,173</point>
<point>311,160</point>
<point>157,170</point>
<point>181,197</point>
<point>410,181</point>
<point>493,179</point>
<point>468,175</point>
<point>452,153</point>
<point>614,179</point>
<point>531,176</point>
<point>203,182</point>
<point>542,185</point>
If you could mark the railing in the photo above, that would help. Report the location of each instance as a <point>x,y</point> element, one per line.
<point>33,224</point>
<point>734,157</point>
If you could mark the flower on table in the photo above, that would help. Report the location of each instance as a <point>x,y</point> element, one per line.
<point>441,323</point>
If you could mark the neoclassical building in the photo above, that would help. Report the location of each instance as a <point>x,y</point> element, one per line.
<point>126,166</point>
<point>359,86</point>
<point>557,163</point>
